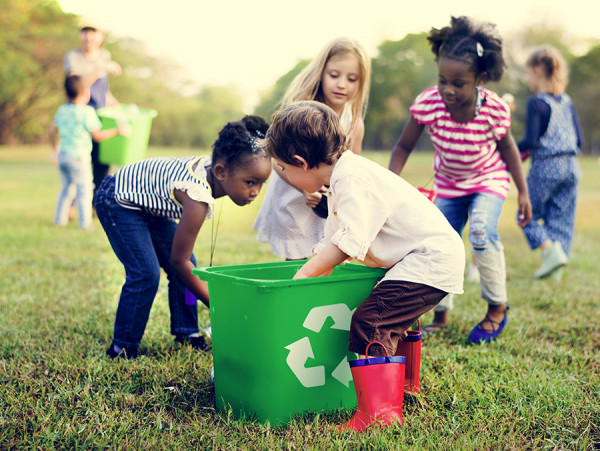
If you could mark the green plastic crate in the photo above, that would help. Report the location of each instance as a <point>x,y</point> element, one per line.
<point>280,346</point>
<point>122,150</point>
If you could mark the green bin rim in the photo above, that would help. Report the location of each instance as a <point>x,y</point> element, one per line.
<point>353,271</point>
<point>144,112</point>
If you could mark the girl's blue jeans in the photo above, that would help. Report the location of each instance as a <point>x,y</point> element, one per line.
<point>142,243</point>
<point>77,173</point>
<point>482,210</point>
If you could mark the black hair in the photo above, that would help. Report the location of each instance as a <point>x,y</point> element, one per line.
<point>239,140</point>
<point>73,86</point>
<point>479,45</point>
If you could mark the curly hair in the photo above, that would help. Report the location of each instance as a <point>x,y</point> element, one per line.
<point>463,40</point>
<point>238,141</point>
<point>309,129</point>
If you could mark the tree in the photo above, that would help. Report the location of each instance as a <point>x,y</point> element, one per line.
<point>31,74</point>
<point>585,91</point>
<point>400,71</point>
<point>271,99</point>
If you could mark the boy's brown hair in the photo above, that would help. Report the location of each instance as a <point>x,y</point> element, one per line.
<point>308,129</point>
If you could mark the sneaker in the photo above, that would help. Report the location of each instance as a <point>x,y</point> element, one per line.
<point>552,259</point>
<point>125,353</point>
<point>208,331</point>
<point>212,374</point>
<point>479,335</point>
<point>198,342</point>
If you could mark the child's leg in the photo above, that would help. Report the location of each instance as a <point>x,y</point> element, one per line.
<point>129,235</point>
<point>65,197</point>
<point>184,318</point>
<point>388,312</point>
<point>83,184</point>
<point>540,192</point>
<point>456,212</point>
<point>484,214</point>
<point>560,220</point>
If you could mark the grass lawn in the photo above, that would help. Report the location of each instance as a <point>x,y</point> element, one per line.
<point>537,387</point>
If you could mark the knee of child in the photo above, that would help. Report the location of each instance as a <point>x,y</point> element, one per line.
<point>478,236</point>
<point>149,278</point>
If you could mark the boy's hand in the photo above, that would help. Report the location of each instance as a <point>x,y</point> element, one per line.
<point>323,263</point>
<point>312,199</point>
<point>124,129</point>
<point>113,68</point>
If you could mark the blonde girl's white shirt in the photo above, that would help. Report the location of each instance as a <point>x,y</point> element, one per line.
<point>285,221</point>
<point>379,219</point>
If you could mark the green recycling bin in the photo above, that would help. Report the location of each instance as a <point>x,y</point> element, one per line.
<point>280,346</point>
<point>122,150</point>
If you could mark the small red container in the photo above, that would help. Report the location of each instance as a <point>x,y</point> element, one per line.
<point>410,348</point>
<point>430,194</point>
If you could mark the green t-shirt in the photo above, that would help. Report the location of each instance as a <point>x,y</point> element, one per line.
<point>74,123</point>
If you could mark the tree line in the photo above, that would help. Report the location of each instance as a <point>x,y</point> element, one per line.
<point>36,34</point>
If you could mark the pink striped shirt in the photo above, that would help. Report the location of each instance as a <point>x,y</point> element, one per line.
<point>466,157</point>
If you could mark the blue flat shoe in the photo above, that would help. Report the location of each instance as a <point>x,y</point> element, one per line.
<point>479,335</point>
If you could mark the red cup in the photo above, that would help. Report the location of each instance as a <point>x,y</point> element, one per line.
<point>430,194</point>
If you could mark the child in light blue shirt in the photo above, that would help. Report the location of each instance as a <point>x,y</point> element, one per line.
<point>76,123</point>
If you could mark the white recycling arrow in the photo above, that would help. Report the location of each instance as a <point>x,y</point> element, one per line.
<point>341,314</point>
<point>342,372</point>
<point>300,352</point>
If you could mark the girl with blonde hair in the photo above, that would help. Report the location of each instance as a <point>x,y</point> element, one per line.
<point>292,220</point>
<point>553,137</point>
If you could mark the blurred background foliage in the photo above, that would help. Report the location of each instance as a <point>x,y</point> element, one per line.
<point>36,34</point>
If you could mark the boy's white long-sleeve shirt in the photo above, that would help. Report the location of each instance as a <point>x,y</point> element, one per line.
<point>379,219</point>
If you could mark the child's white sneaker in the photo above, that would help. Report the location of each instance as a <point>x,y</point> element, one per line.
<point>552,259</point>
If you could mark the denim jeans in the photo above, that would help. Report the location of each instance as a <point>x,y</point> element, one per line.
<point>142,243</point>
<point>79,173</point>
<point>482,210</point>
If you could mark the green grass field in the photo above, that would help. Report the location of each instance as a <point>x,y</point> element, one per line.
<point>537,387</point>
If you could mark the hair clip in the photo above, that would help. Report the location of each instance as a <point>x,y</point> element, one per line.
<point>479,50</point>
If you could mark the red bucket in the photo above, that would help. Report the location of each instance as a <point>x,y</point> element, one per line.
<point>410,348</point>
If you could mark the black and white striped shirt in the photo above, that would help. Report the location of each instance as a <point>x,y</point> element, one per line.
<point>149,185</point>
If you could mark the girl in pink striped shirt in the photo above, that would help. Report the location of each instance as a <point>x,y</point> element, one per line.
<point>475,152</point>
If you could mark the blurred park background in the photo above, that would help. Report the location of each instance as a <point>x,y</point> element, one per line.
<point>36,34</point>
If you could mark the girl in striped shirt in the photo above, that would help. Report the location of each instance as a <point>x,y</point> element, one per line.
<point>475,152</point>
<point>138,208</point>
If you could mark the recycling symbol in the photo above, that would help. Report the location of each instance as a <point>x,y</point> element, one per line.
<point>301,350</point>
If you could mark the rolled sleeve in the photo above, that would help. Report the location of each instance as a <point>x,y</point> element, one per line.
<point>360,212</point>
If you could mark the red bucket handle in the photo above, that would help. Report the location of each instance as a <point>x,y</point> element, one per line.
<point>419,323</point>
<point>380,344</point>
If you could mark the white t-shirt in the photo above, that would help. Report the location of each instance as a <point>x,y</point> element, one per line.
<point>379,219</point>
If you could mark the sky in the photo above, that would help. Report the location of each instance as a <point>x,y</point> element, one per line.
<point>249,44</point>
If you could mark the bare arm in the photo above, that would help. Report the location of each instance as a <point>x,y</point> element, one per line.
<point>322,263</point>
<point>404,146</point>
<point>510,154</point>
<point>101,135</point>
<point>55,141</point>
<point>186,233</point>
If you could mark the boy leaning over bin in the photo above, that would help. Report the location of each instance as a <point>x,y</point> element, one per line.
<point>375,217</point>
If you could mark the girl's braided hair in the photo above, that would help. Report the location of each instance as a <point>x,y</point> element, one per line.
<point>479,45</point>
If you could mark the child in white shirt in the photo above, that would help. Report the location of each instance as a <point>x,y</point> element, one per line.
<point>375,217</point>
